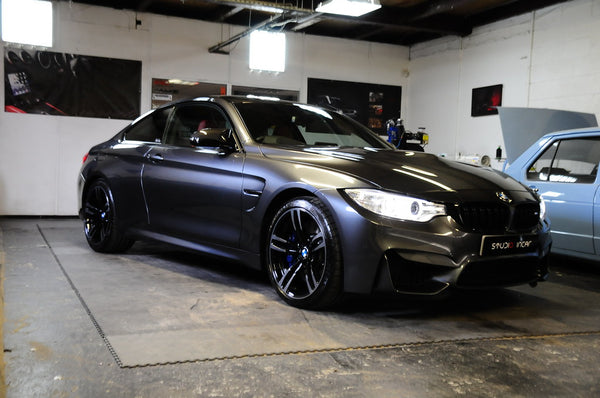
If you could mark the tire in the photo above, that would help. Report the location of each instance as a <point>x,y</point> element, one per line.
<point>99,220</point>
<point>303,255</point>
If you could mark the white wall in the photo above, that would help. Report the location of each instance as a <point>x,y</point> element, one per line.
<point>545,59</point>
<point>40,155</point>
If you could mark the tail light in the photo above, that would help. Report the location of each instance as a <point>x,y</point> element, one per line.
<point>85,157</point>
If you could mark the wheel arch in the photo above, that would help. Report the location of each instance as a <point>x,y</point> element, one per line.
<point>87,183</point>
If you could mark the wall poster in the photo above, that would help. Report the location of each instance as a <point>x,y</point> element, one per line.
<point>369,104</point>
<point>486,100</point>
<point>51,83</point>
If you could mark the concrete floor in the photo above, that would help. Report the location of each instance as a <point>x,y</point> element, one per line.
<point>162,322</point>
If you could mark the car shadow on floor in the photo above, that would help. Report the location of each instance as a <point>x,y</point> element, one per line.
<point>575,272</point>
<point>196,264</point>
<point>520,302</point>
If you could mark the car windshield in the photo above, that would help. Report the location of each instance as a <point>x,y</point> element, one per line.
<point>282,123</point>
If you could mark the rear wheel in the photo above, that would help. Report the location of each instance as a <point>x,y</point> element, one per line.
<point>99,220</point>
<point>303,254</point>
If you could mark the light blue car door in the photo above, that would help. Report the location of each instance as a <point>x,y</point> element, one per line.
<point>597,219</point>
<point>566,176</point>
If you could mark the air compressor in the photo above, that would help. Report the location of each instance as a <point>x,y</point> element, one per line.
<point>406,139</point>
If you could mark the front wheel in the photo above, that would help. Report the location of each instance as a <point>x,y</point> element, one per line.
<point>99,216</point>
<point>303,254</point>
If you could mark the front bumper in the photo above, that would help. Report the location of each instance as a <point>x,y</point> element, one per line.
<point>404,273</point>
<point>428,258</point>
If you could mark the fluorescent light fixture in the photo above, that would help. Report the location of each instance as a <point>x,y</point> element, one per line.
<point>27,22</point>
<point>353,8</point>
<point>267,51</point>
<point>182,82</point>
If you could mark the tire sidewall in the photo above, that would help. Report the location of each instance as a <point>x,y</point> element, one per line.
<point>115,242</point>
<point>329,288</point>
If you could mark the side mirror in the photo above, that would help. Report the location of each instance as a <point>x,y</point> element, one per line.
<point>217,138</point>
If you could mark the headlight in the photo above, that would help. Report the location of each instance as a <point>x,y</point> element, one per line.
<point>542,208</point>
<point>396,206</point>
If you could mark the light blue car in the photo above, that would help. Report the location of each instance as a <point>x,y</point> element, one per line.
<point>563,167</point>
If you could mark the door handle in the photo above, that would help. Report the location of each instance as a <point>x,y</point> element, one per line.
<point>155,158</point>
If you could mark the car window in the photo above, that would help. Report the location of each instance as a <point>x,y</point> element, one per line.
<point>298,124</point>
<point>191,118</point>
<point>151,128</point>
<point>568,161</point>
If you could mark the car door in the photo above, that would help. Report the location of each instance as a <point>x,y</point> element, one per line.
<point>597,219</point>
<point>194,193</point>
<point>566,175</point>
<point>125,161</point>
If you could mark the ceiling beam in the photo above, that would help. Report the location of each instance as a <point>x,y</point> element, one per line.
<point>305,22</point>
<point>265,6</point>
<point>406,19</point>
<point>218,48</point>
<point>230,13</point>
<point>511,10</point>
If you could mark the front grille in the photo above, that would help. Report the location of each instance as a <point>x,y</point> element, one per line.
<point>483,217</point>
<point>495,218</point>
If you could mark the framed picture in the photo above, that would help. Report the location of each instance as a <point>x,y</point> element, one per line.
<point>370,104</point>
<point>485,100</point>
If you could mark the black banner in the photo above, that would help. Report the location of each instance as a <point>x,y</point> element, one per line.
<point>44,82</point>
<point>369,104</point>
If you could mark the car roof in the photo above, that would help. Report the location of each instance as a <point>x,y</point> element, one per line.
<point>584,132</point>
<point>243,98</point>
<point>226,98</point>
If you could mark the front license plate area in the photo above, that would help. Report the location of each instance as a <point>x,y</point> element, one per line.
<point>502,245</point>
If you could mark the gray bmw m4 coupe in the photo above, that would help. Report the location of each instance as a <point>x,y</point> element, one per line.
<point>314,198</point>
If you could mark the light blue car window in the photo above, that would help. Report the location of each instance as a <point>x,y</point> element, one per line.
<point>568,161</point>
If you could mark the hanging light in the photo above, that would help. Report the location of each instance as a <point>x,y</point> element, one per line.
<point>353,8</point>
<point>267,51</point>
<point>27,22</point>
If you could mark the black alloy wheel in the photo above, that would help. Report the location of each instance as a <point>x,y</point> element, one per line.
<point>99,218</point>
<point>303,255</point>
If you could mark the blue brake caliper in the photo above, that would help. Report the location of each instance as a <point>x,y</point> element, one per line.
<point>290,258</point>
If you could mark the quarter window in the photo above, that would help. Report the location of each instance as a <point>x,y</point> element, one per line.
<point>568,161</point>
<point>150,128</point>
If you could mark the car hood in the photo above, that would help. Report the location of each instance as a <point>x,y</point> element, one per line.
<point>521,127</point>
<point>416,173</point>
